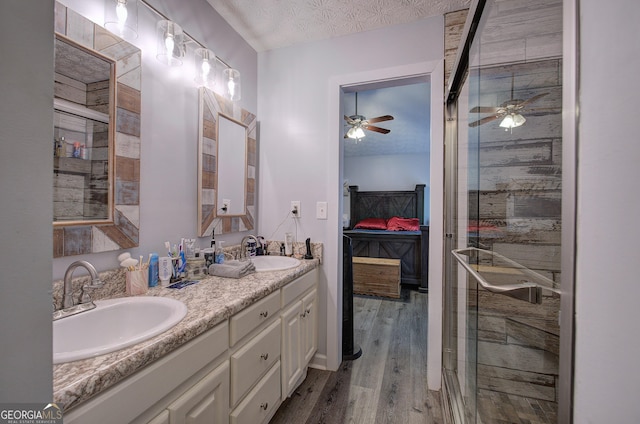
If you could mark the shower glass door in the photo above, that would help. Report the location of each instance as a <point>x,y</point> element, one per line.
<point>503,222</point>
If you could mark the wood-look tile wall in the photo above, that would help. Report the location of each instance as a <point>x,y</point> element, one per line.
<point>453,26</point>
<point>520,192</point>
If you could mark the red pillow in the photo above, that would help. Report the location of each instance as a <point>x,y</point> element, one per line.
<point>372,224</point>
<point>397,223</point>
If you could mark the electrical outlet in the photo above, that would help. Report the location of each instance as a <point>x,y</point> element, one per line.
<point>295,209</point>
<point>226,205</point>
<point>321,210</point>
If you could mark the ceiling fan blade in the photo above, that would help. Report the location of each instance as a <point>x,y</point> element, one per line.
<point>380,119</point>
<point>349,120</point>
<point>485,109</point>
<point>376,129</point>
<point>533,99</point>
<point>483,121</point>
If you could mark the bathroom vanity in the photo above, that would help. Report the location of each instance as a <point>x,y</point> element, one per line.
<point>242,348</point>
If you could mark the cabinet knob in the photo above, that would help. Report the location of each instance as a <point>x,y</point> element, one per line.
<point>265,356</point>
<point>264,314</point>
<point>264,405</point>
<point>307,312</point>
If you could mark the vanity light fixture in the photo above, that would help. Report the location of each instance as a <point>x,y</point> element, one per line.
<point>170,40</point>
<point>205,67</point>
<point>172,47</point>
<point>121,18</point>
<point>232,84</point>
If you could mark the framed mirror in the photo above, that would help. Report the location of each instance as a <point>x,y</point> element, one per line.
<point>227,157</point>
<point>96,148</point>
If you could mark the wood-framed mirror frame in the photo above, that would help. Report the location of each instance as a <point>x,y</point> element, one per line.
<point>121,231</point>
<point>210,218</point>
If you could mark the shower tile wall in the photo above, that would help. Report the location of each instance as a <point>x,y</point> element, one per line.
<point>518,215</point>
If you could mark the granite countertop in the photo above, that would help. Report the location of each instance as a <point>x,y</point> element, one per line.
<point>209,302</point>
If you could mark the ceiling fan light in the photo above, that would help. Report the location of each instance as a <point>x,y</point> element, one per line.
<point>518,120</point>
<point>356,133</point>
<point>507,122</point>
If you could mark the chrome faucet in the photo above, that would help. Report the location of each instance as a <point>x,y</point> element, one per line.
<point>67,300</point>
<point>243,246</point>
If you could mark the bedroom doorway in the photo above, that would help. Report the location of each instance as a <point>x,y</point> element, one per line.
<point>398,159</point>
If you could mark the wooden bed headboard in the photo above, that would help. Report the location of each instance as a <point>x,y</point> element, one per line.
<point>385,204</point>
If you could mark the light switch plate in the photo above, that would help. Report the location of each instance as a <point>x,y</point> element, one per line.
<point>321,210</point>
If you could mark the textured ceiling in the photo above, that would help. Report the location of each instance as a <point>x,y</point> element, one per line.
<point>271,24</point>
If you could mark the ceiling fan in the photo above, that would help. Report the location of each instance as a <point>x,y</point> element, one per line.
<point>509,112</point>
<point>359,123</point>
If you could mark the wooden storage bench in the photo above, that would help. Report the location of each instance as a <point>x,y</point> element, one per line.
<point>376,276</point>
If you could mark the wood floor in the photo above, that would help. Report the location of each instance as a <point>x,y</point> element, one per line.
<point>387,384</point>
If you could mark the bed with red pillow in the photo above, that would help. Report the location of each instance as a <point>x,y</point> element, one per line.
<point>388,224</point>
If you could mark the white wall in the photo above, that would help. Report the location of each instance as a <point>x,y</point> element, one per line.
<point>26,167</point>
<point>169,123</point>
<point>607,347</point>
<point>298,105</point>
<point>388,172</point>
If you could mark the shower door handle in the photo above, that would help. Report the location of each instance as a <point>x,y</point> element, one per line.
<point>527,291</point>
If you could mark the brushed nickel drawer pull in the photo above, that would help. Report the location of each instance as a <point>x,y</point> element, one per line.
<point>264,314</point>
<point>264,405</point>
<point>265,356</point>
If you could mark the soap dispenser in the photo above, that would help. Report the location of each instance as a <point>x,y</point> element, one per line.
<point>219,253</point>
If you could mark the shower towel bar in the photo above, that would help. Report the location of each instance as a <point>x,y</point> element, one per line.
<point>529,290</point>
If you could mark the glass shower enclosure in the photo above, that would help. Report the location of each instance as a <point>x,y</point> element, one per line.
<point>503,222</point>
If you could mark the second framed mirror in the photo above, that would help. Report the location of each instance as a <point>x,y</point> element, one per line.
<point>227,158</point>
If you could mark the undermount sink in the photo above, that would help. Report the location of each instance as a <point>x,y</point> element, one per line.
<point>113,325</point>
<point>274,263</point>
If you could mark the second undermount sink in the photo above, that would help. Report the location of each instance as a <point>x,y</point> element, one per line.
<point>274,263</point>
<point>113,325</point>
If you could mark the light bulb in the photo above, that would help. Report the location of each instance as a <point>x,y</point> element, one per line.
<point>122,13</point>
<point>206,68</point>
<point>231,85</point>
<point>169,44</point>
<point>232,78</point>
<point>360,133</point>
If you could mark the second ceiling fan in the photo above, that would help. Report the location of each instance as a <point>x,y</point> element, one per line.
<point>509,112</point>
<point>359,123</point>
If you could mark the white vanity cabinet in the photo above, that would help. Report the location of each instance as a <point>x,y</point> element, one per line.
<point>237,372</point>
<point>299,330</point>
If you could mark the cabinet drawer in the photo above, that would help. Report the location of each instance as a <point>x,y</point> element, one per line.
<point>262,401</point>
<point>251,361</point>
<point>246,320</point>
<point>294,289</point>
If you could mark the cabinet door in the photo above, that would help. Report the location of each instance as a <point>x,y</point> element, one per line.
<point>309,326</point>
<point>291,360</point>
<point>207,402</point>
